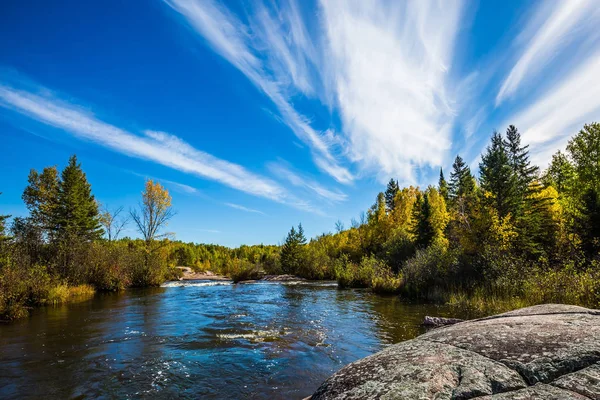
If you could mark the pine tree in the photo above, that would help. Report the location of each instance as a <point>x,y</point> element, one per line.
<point>526,174</point>
<point>443,186</point>
<point>41,199</point>
<point>423,229</point>
<point>390,193</point>
<point>292,250</point>
<point>497,178</point>
<point>462,182</point>
<point>76,215</point>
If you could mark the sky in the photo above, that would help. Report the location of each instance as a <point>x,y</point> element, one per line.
<point>258,115</point>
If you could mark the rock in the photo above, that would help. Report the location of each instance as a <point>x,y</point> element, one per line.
<point>541,352</point>
<point>585,382</point>
<point>282,278</point>
<point>420,369</point>
<point>439,321</point>
<point>539,391</point>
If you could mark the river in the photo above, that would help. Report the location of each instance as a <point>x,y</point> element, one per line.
<point>209,340</point>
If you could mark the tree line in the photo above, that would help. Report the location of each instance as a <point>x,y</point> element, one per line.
<point>514,235</point>
<point>515,232</point>
<point>65,247</point>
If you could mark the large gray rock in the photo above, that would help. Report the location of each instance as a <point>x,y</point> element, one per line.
<point>541,352</point>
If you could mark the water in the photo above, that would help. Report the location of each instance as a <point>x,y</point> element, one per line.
<point>201,340</point>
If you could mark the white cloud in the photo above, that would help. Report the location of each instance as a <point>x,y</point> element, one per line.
<point>382,66</point>
<point>392,62</point>
<point>551,30</point>
<point>550,121</point>
<point>275,53</point>
<point>159,147</point>
<point>242,208</point>
<point>284,171</point>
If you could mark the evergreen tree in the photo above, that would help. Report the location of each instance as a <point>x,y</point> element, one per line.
<point>462,182</point>
<point>519,158</point>
<point>76,215</point>
<point>41,199</point>
<point>423,230</point>
<point>497,177</point>
<point>443,186</point>
<point>390,193</point>
<point>292,250</point>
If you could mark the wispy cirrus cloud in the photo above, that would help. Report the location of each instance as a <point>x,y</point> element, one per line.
<point>560,112</point>
<point>283,170</point>
<point>285,69</point>
<point>243,208</point>
<point>158,147</point>
<point>383,67</point>
<point>560,59</point>
<point>553,27</point>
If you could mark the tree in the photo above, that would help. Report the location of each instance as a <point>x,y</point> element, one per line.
<point>423,230</point>
<point>443,186</point>
<point>462,182</point>
<point>519,159</point>
<point>292,250</point>
<point>154,213</point>
<point>560,174</point>
<point>587,223</point>
<point>498,178</point>
<point>584,149</point>
<point>3,235</point>
<point>41,199</point>
<point>390,194</point>
<point>76,215</point>
<point>112,222</point>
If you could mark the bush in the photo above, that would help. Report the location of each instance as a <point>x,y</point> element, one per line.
<point>426,270</point>
<point>243,270</point>
<point>352,275</point>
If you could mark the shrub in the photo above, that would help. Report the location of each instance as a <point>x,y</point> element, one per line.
<point>243,270</point>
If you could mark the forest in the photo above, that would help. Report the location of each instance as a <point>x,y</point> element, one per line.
<point>507,236</point>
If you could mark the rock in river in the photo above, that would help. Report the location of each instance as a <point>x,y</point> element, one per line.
<point>548,351</point>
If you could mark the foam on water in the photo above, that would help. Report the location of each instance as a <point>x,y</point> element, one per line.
<point>195,283</point>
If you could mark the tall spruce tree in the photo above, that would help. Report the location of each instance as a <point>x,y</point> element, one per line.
<point>497,177</point>
<point>462,182</point>
<point>443,186</point>
<point>390,194</point>
<point>527,174</point>
<point>292,250</point>
<point>423,229</point>
<point>76,216</point>
<point>41,199</point>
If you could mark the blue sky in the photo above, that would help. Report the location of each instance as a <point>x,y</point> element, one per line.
<point>257,115</point>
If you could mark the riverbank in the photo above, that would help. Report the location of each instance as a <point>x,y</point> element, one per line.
<point>542,352</point>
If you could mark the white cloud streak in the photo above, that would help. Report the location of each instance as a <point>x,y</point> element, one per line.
<point>242,208</point>
<point>392,82</point>
<point>555,25</point>
<point>548,123</point>
<point>159,147</point>
<point>284,171</point>
<point>285,70</point>
<point>382,66</point>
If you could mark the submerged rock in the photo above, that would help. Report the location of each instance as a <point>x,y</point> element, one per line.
<point>439,321</point>
<point>541,352</point>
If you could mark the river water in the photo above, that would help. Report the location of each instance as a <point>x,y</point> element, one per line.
<point>209,340</point>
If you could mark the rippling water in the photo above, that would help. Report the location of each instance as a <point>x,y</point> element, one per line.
<point>201,340</point>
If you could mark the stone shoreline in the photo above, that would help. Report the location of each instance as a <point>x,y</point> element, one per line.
<point>548,351</point>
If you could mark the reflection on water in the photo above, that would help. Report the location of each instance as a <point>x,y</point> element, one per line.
<point>201,340</point>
